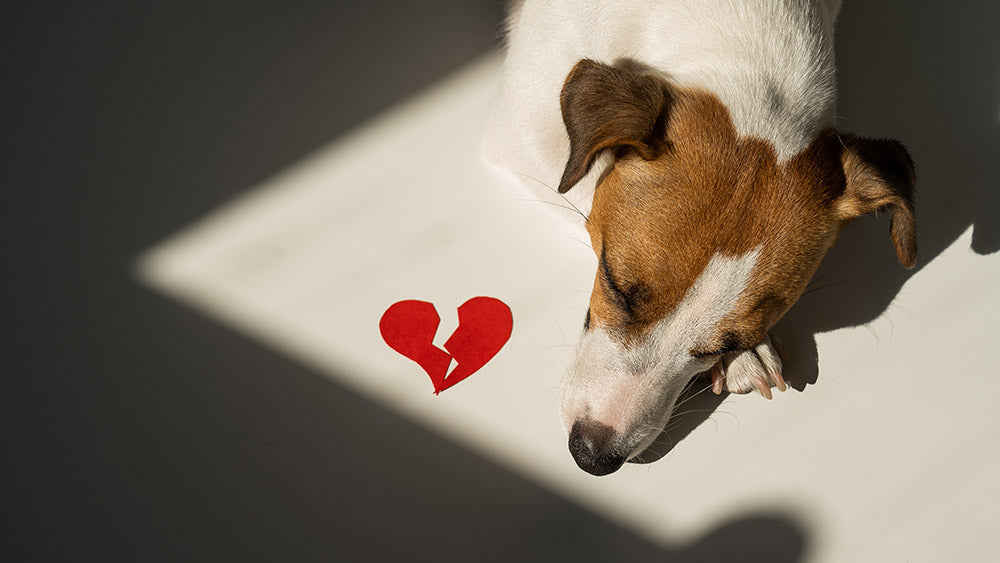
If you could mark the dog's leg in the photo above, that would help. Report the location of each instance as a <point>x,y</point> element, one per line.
<point>745,370</point>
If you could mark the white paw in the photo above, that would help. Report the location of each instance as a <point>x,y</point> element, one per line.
<point>745,370</point>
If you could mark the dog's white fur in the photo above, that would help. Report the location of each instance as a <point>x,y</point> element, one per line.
<point>771,63</point>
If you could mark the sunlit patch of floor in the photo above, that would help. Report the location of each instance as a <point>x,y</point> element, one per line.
<point>888,443</point>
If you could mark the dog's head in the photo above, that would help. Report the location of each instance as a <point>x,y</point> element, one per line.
<point>704,240</point>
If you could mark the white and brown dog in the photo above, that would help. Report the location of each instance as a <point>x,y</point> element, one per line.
<point>721,184</point>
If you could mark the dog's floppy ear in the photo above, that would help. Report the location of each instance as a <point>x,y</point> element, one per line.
<point>610,106</point>
<point>879,174</point>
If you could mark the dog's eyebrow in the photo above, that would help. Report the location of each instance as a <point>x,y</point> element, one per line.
<point>626,300</point>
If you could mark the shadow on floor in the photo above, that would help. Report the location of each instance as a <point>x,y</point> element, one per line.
<point>136,430</point>
<point>926,75</point>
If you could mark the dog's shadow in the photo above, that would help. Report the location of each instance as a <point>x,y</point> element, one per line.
<point>927,76</point>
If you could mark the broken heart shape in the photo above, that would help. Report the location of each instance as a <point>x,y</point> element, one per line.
<point>484,326</point>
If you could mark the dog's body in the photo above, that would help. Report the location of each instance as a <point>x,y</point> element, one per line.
<point>722,185</point>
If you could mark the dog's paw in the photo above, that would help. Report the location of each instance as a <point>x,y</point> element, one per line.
<point>745,370</point>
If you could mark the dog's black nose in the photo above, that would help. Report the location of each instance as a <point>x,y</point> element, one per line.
<point>592,446</point>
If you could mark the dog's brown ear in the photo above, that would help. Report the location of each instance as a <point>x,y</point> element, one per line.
<point>880,174</point>
<point>610,106</point>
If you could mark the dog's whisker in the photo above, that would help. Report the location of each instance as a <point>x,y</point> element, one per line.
<point>555,191</point>
<point>691,396</point>
<point>692,411</point>
<point>714,422</point>
<point>676,417</point>
<point>669,441</point>
<point>583,242</point>
<point>557,204</point>
<point>819,277</point>
<point>546,363</point>
<point>659,440</point>
<point>559,326</point>
<point>687,386</point>
<point>736,418</point>
<point>827,286</point>
<point>643,435</point>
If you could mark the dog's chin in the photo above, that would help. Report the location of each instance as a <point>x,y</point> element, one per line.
<point>697,407</point>
<point>654,451</point>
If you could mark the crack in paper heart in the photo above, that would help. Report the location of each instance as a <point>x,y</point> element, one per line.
<point>484,326</point>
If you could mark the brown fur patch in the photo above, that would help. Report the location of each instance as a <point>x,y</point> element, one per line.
<point>659,222</point>
<point>684,187</point>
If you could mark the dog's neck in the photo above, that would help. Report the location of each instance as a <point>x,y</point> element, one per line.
<point>768,107</point>
<point>777,81</point>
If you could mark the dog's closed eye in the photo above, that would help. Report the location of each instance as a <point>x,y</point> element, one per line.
<point>626,297</point>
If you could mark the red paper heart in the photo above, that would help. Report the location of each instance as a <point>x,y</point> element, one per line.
<point>484,326</point>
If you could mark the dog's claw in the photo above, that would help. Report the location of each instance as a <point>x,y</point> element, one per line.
<point>763,389</point>
<point>718,379</point>
<point>779,382</point>
<point>747,370</point>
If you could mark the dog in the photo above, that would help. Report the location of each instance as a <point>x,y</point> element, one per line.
<point>698,136</point>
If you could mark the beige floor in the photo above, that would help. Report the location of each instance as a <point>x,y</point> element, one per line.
<point>887,451</point>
